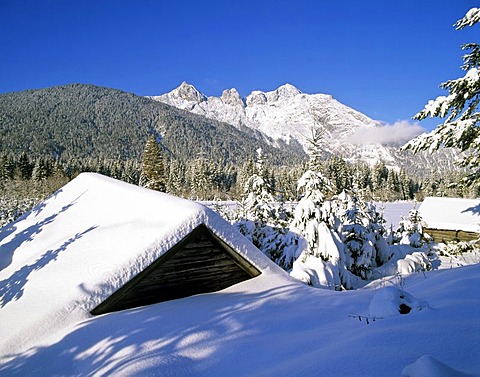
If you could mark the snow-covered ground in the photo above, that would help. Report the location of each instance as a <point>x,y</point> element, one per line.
<point>267,326</point>
<point>259,329</point>
<point>393,211</point>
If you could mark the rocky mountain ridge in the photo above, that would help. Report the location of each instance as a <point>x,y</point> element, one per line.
<point>288,115</point>
<point>283,114</point>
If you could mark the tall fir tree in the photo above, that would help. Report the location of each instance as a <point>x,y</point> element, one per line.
<point>258,194</point>
<point>312,187</point>
<point>152,170</point>
<point>262,219</point>
<point>25,166</point>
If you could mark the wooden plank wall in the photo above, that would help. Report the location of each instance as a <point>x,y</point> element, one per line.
<point>199,264</point>
<point>442,235</point>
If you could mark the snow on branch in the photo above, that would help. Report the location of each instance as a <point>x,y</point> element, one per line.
<point>461,90</point>
<point>462,134</point>
<point>461,125</point>
<point>470,19</point>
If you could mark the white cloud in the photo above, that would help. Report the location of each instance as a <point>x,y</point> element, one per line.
<point>389,134</point>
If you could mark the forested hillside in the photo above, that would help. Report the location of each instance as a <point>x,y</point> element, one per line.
<point>79,121</point>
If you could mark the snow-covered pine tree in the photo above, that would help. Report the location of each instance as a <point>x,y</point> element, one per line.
<point>25,166</point>
<point>460,128</point>
<point>410,231</point>
<point>320,258</point>
<point>262,220</point>
<point>152,171</point>
<point>361,229</point>
<point>311,188</point>
<point>200,179</point>
<point>41,170</point>
<point>258,201</point>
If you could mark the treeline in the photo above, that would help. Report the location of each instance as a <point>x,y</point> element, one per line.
<point>203,179</point>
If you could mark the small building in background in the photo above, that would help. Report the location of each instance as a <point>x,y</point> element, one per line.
<point>451,219</point>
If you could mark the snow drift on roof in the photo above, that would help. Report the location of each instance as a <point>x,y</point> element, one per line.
<point>451,213</point>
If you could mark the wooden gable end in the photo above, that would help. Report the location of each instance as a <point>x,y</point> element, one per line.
<point>200,263</point>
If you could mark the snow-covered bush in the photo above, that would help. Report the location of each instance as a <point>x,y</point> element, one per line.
<point>460,253</point>
<point>410,231</point>
<point>416,262</point>
<point>227,210</point>
<point>457,248</point>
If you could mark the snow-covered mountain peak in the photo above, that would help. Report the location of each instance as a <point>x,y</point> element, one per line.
<point>286,114</point>
<point>232,97</point>
<point>189,93</point>
<point>284,92</point>
<point>186,96</point>
<point>257,97</point>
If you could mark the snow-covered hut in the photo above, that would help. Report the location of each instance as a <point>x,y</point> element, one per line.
<point>99,245</point>
<point>451,219</point>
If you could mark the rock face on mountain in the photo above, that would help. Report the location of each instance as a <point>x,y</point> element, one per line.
<point>286,114</point>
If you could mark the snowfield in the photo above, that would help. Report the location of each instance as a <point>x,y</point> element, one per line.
<point>268,326</point>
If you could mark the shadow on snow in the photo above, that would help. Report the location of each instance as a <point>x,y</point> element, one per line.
<point>12,287</point>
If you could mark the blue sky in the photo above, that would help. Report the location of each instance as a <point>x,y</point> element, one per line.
<point>383,58</point>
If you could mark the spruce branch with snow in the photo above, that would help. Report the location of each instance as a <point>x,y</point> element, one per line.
<point>459,108</point>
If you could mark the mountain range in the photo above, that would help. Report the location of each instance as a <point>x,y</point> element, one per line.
<point>286,115</point>
<point>87,121</point>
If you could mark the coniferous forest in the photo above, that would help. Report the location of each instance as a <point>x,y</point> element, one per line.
<point>49,136</point>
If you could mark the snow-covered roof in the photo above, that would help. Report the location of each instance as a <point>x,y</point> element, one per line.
<point>92,236</point>
<point>451,213</point>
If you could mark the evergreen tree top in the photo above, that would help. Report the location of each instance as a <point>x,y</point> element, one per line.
<point>459,108</point>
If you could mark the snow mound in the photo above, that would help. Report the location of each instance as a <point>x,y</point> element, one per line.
<point>415,262</point>
<point>390,301</point>
<point>428,366</point>
<point>316,272</point>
